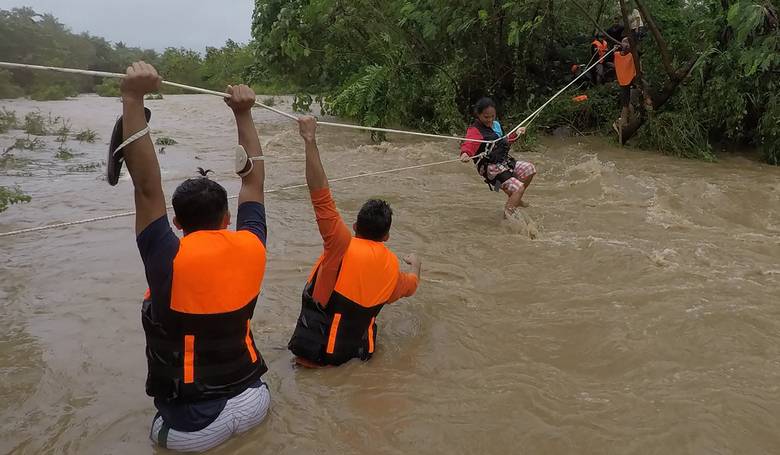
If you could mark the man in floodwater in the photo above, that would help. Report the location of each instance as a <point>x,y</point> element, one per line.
<point>204,368</point>
<point>353,278</point>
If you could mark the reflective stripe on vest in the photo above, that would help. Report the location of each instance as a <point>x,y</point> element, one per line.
<point>344,329</point>
<point>202,346</point>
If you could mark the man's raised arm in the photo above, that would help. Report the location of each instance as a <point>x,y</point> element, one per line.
<point>241,101</point>
<point>140,156</point>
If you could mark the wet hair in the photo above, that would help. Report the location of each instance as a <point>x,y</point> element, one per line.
<point>200,204</point>
<point>483,104</point>
<point>374,220</point>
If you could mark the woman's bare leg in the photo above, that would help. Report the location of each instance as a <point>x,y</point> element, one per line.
<point>515,200</point>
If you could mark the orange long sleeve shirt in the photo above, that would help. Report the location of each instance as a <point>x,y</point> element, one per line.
<point>336,238</point>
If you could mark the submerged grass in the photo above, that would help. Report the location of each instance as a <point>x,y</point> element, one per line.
<point>88,136</point>
<point>8,120</point>
<point>35,124</point>
<point>164,140</point>
<point>10,196</point>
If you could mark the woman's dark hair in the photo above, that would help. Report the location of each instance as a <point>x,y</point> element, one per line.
<point>200,204</point>
<point>483,104</point>
<point>374,220</point>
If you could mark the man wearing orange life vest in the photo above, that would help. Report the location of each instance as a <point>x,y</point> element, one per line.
<point>625,71</point>
<point>204,370</point>
<point>353,278</point>
<point>599,48</point>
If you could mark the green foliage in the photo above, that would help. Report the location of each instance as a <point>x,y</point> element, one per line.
<point>225,66</point>
<point>302,103</point>
<point>165,141</point>
<point>29,144</point>
<point>366,98</point>
<point>64,153</point>
<point>738,85</point>
<point>769,130</point>
<point>29,37</point>
<point>8,120</point>
<point>272,86</point>
<point>411,63</point>
<point>35,124</point>
<point>53,92</point>
<point>88,136</point>
<point>84,168</point>
<point>8,88</point>
<point>679,133</point>
<point>423,64</point>
<point>10,196</point>
<point>180,65</point>
<point>108,88</point>
<point>63,133</point>
<point>595,115</point>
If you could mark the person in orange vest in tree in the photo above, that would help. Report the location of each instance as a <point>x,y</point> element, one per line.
<point>501,171</point>
<point>599,48</point>
<point>354,278</point>
<point>625,71</point>
<point>204,369</point>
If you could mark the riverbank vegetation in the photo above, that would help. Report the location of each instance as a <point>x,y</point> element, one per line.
<point>710,69</point>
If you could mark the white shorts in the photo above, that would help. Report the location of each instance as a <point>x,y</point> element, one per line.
<point>241,413</point>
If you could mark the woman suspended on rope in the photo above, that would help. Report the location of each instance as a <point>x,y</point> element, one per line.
<point>494,163</point>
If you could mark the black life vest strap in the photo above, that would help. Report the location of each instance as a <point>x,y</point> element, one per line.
<point>204,344</point>
<point>205,372</point>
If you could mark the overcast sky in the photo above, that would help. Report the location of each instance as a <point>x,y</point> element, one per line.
<point>156,24</point>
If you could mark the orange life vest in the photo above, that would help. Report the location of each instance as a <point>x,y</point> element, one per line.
<point>601,47</point>
<point>346,327</point>
<point>199,341</point>
<point>624,68</point>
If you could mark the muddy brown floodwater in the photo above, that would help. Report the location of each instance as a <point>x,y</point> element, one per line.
<point>634,308</point>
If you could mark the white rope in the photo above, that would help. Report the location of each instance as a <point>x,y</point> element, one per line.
<point>538,111</point>
<point>527,120</point>
<point>225,95</point>
<point>292,117</point>
<point>276,190</point>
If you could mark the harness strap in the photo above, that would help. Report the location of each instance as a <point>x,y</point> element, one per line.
<point>130,140</point>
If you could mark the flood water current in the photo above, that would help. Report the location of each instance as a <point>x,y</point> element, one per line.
<point>633,308</point>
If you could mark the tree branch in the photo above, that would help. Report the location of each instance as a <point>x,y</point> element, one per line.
<point>634,48</point>
<point>601,11</point>
<point>666,59</point>
<point>666,93</point>
<point>598,27</point>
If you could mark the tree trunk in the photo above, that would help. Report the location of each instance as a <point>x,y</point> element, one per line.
<point>658,101</point>
<point>666,59</point>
